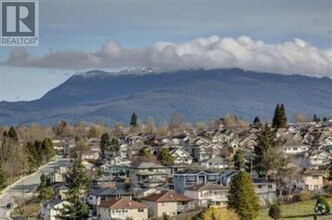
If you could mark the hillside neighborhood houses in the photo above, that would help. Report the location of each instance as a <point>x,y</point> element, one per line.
<point>129,185</point>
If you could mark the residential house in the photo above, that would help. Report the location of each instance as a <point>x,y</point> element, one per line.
<point>215,162</point>
<point>312,180</point>
<point>186,178</point>
<point>60,190</point>
<point>295,145</point>
<point>204,152</point>
<point>95,197</point>
<point>226,176</point>
<point>167,202</point>
<point>122,208</point>
<point>149,174</point>
<point>319,158</point>
<point>181,156</point>
<point>208,194</point>
<point>59,174</point>
<point>89,155</point>
<point>265,190</point>
<point>50,209</point>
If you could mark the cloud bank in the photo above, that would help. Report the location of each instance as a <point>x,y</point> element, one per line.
<point>294,57</point>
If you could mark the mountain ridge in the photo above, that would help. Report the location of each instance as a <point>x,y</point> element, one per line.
<point>197,95</point>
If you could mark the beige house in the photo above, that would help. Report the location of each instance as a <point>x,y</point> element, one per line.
<point>312,180</point>
<point>122,208</point>
<point>206,194</point>
<point>167,202</point>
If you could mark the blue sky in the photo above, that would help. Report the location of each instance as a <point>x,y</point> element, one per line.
<point>131,26</point>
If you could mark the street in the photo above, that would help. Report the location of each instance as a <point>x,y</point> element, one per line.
<point>29,184</point>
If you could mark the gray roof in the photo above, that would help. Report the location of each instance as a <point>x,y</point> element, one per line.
<point>109,192</point>
<point>52,202</point>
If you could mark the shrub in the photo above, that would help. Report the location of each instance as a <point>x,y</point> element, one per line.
<point>305,195</point>
<point>322,207</point>
<point>275,211</point>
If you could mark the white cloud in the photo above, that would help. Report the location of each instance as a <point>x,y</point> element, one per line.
<point>294,57</point>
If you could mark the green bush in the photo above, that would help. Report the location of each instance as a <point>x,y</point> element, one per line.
<point>322,207</point>
<point>303,196</point>
<point>275,211</point>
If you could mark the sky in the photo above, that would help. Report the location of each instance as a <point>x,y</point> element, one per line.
<point>287,37</point>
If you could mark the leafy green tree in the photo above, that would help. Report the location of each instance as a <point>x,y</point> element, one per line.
<point>78,183</point>
<point>144,152</point>
<point>115,144</point>
<point>322,207</point>
<point>214,213</point>
<point>48,149</point>
<point>105,142</point>
<point>275,211</point>
<point>239,161</point>
<point>242,197</point>
<point>46,193</point>
<point>165,157</point>
<point>133,120</point>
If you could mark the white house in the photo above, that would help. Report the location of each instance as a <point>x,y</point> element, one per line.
<point>215,162</point>
<point>319,158</point>
<point>181,156</point>
<point>50,209</point>
<point>206,194</point>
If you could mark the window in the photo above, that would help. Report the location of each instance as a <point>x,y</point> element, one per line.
<point>315,177</point>
<point>315,187</point>
<point>140,210</point>
<point>269,186</point>
<point>259,186</point>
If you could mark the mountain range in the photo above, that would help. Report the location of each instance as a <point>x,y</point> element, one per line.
<point>197,95</point>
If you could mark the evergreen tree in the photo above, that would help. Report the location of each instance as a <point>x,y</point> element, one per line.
<point>133,120</point>
<point>279,119</point>
<point>315,118</point>
<point>257,123</point>
<point>165,157</point>
<point>78,183</point>
<point>276,118</point>
<point>263,150</point>
<point>275,211</point>
<point>3,179</point>
<point>115,144</point>
<point>46,193</point>
<point>12,134</point>
<point>239,160</point>
<point>242,197</point>
<point>283,118</point>
<point>105,142</point>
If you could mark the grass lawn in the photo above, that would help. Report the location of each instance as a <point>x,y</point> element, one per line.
<point>31,209</point>
<point>300,208</point>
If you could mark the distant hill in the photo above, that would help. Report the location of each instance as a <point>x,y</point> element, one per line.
<point>197,95</point>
